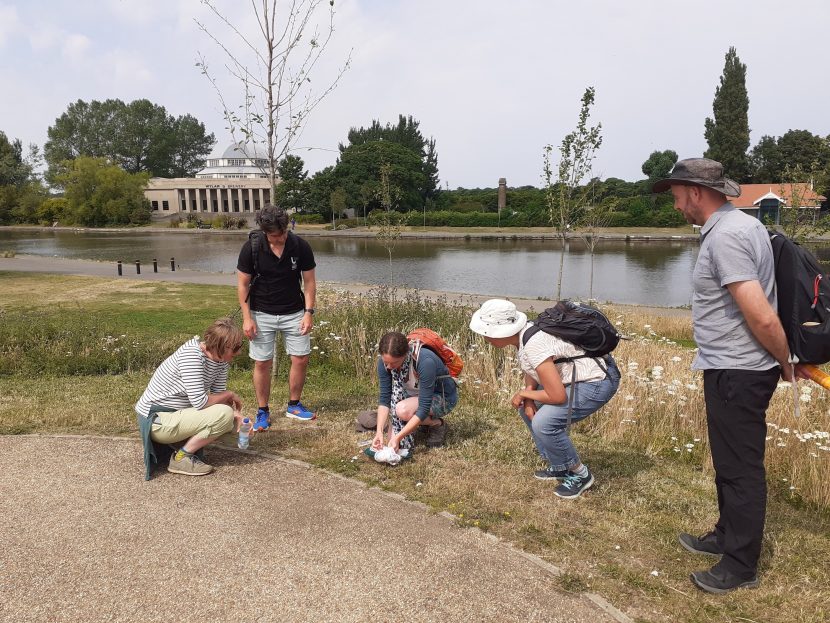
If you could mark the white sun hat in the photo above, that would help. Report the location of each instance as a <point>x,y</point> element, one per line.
<point>498,318</point>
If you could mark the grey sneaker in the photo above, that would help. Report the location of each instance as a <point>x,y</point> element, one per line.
<point>573,486</point>
<point>189,465</point>
<point>720,581</point>
<point>436,435</point>
<point>703,544</point>
<point>550,474</point>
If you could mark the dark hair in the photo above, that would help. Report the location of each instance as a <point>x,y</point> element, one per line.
<point>272,219</point>
<point>393,343</point>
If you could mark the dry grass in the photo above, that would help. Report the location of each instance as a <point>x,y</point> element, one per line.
<point>649,454</point>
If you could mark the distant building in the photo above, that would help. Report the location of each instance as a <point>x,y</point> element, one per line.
<point>232,183</point>
<point>765,201</point>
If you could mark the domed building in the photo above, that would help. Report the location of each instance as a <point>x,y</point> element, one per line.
<point>234,183</point>
<point>238,162</point>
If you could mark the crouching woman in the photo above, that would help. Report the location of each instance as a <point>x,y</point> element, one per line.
<point>581,385</point>
<point>187,399</point>
<point>415,390</point>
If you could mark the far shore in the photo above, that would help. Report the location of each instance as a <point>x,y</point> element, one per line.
<point>644,234</point>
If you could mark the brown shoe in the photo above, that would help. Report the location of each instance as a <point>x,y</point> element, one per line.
<point>188,465</point>
<point>436,435</point>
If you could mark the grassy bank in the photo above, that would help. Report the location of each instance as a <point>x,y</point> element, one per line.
<point>75,353</point>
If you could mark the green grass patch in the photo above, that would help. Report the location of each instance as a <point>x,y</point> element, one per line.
<point>650,484</point>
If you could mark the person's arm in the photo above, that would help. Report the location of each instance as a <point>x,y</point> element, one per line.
<point>310,294</point>
<point>243,286</point>
<point>383,418</point>
<point>384,403</point>
<point>552,392</point>
<point>763,322</point>
<point>527,404</point>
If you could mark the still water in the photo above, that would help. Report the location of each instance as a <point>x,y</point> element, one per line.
<point>645,273</point>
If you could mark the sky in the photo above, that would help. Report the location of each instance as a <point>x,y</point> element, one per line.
<point>491,81</point>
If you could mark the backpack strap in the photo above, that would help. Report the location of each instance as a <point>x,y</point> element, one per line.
<point>255,238</point>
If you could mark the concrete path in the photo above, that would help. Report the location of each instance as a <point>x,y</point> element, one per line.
<point>84,538</point>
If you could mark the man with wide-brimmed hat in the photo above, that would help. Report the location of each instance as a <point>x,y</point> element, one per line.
<point>742,351</point>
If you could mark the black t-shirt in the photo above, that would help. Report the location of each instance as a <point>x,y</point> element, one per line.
<point>278,289</point>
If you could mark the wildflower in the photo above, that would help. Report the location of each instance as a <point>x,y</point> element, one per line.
<point>689,446</point>
<point>691,386</point>
<point>629,397</point>
<point>646,326</point>
<point>674,438</point>
<point>655,573</point>
<point>676,359</point>
<point>805,398</point>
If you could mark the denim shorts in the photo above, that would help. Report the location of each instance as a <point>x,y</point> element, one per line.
<point>261,348</point>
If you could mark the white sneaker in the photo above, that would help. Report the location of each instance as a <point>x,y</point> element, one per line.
<point>387,455</point>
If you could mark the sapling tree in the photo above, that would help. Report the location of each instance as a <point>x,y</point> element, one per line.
<point>566,198</point>
<point>390,220</point>
<point>273,65</point>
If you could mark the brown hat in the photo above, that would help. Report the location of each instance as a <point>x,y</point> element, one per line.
<point>699,172</point>
<point>366,421</point>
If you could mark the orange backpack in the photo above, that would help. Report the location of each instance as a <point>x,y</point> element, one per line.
<point>434,342</point>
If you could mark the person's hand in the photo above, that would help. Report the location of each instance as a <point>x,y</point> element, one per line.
<point>517,400</point>
<point>800,372</point>
<point>236,402</point>
<point>530,409</point>
<point>249,328</point>
<point>787,373</point>
<point>394,442</point>
<point>377,442</point>
<point>306,323</point>
<point>237,420</point>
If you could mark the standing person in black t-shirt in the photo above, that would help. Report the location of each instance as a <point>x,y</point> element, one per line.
<point>277,292</point>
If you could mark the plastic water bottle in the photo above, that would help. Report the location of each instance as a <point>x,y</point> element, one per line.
<point>245,434</point>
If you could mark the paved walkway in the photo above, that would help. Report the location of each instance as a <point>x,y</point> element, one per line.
<point>84,538</point>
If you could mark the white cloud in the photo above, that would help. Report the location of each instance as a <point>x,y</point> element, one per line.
<point>9,23</point>
<point>75,46</point>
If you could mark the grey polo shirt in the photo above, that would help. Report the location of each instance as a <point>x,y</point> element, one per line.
<point>734,247</point>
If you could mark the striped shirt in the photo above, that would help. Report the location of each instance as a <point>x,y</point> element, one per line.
<point>185,379</point>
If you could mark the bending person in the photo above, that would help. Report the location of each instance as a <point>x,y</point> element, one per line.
<point>187,398</point>
<point>548,386</point>
<point>415,390</point>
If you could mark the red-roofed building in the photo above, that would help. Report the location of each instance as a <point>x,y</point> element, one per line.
<point>764,201</point>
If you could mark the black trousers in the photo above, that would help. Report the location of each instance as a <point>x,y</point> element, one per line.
<point>736,405</point>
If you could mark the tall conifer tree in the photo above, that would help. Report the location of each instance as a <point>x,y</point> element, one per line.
<point>728,133</point>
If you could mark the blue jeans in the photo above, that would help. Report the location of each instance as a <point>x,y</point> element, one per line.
<point>549,426</point>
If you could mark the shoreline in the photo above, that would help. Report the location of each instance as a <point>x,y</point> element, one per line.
<point>108,270</point>
<point>643,234</point>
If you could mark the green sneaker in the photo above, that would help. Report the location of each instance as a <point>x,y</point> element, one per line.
<point>188,465</point>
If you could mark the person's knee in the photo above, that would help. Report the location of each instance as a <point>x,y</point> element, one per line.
<point>405,411</point>
<point>219,421</point>
<point>544,428</point>
<point>263,366</point>
<point>299,360</point>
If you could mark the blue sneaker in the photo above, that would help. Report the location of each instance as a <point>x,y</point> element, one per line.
<point>299,412</point>
<point>263,420</point>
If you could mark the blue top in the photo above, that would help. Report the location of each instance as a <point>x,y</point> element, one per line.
<point>433,378</point>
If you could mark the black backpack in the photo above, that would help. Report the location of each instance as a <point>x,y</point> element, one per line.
<point>803,300</point>
<point>584,327</point>
<point>255,236</point>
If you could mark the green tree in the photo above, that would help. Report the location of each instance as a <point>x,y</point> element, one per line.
<point>659,164</point>
<point>191,145</point>
<point>21,192</point>
<point>139,136</point>
<point>797,222</point>
<point>408,134</point>
<point>98,193</point>
<point>362,162</point>
<point>567,198</point>
<point>292,190</point>
<point>320,187</point>
<point>727,133</point>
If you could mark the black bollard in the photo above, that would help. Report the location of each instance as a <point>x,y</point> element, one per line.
<point>173,264</point>
<point>138,267</point>
<point>119,268</point>
<point>155,266</point>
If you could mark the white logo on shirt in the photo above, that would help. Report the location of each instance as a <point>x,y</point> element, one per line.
<point>293,263</point>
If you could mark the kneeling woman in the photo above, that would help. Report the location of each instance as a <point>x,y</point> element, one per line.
<point>187,399</point>
<point>416,390</point>
<point>543,403</point>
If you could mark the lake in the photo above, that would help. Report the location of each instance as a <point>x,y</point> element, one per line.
<point>636,272</point>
